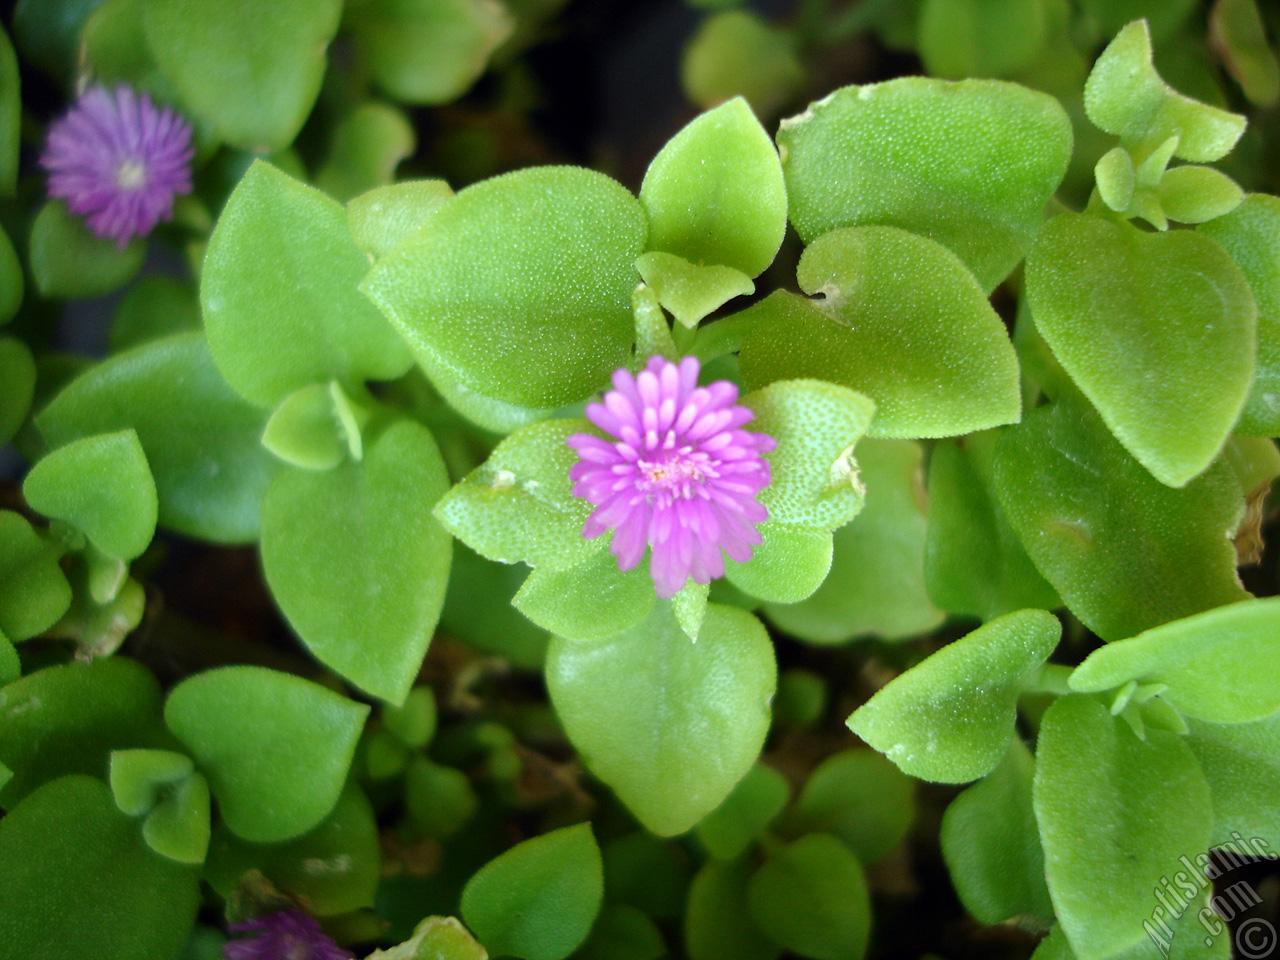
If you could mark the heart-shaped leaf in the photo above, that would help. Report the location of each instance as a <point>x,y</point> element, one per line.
<point>691,290</point>
<point>333,868</point>
<point>59,846</point>
<point>735,53</point>
<point>138,776</point>
<point>10,116</point>
<point>275,748</point>
<point>539,899</point>
<point>931,353</point>
<point>718,922</point>
<point>950,717</point>
<point>696,713</point>
<point>357,562</point>
<point>102,486</point>
<point>200,439</point>
<point>728,830</point>
<point>1156,329</point>
<point>860,797</point>
<point>589,601</point>
<point>68,719</point>
<point>969,164</point>
<point>812,898</point>
<point>367,147</point>
<point>69,260</point>
<point>1095,786</point>
<point>992,845</point>
<point>278,290</point>
<point>1125,552</point>
<point>11,280</point>
<point>986,38</point>
<point>471,291</point>
<point>1125,96</point>
<point>34,592</point>
<point>1251,234</point>
<point>384,216</point>
<point>17,386</point>
<point>714,193</point>
<point>249,70</point>
<point>1222,666</point>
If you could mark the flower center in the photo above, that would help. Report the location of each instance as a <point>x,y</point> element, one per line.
<point>131,175</point>
<point>677,476</point>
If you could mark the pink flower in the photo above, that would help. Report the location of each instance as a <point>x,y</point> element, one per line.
<point>118,161</point>
<point>290,935</point>
<point>680,475</point>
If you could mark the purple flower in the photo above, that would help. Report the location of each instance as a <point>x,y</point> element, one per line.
<point>118,161</point>
<point>291,935</point>
<point>681,475</point>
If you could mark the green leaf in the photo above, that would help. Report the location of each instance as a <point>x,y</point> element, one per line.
<point>1116,178</point>
<point>68,719</point>
<point>789,564</point>
<point>471,292</point>
<point>200,439</point>
<point>992,845</point>
<point>876,579</point>
<point>250,70</point>
<point>1241,762</point>
<point>736,54</point>
<point>1251,234</point>
<point>973,562</point>
<point>718,923</point>
<point>696,713</point>
<point>860,797</point>
<point>934,357</point>
<point>1193,194</point>
<point>1097,791</point>
<point>357,562</point>
<point>539,899</point>
<point>950,718</point>
<point>728,830</point>
<point>281,308</point>
<point>438,800</point>
<point>649,874</point>
<point>11,280</point>
<point>429,51</point>
<point>178,826</point>
<point>10,670</point>
<point>137,777</point>
<point>381,218</point>
<point>305,432</point>
<point>276,748</point>
<point>478,611</point>
<point>1222,666</point>
<point>435,938</point>
<point>811,897</point>
<point>1125,552</point>
<point>10,116</point>
<point>34,592</point>
<point>904,154</point>
<point>519,506</point>
<point>47,33</point>
<point>1156,329</point>
<point>980,38</point>
<point>60,847</point>
<point>152,308</point>
<point>17,386</point>
<point>1125,96</point>
<point>690,290</point>
<point>592,600</point>
<point>413,722</point>
<point>69,260</point>
<point>622,933</point>
<point>816,425</point>
<point>1163,16</point>
<point>332,868</point>
<point>366,148</point>
<point>102,486</point>
<point>1239,36</point>
<point>714,193</point>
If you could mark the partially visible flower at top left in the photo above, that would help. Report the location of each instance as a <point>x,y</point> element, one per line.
<point>290,935</point>
<point>118,160</point>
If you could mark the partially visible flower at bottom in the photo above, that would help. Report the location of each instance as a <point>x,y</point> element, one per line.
<point>291,935</point>
<point>680,475</point>
<point>118,161</point>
